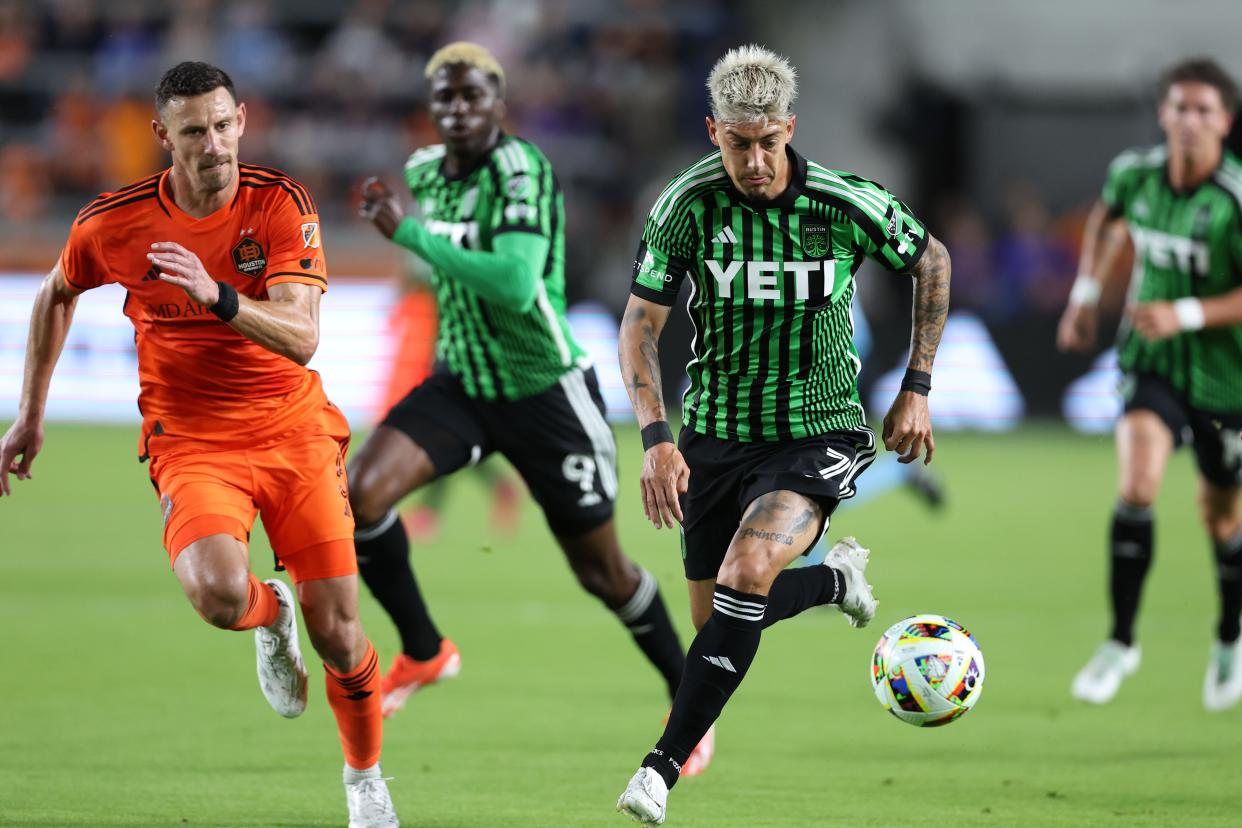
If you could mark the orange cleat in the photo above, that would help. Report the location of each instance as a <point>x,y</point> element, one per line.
<point>407,675</point>
<point>702,754</point>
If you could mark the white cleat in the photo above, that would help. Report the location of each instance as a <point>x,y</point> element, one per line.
<point>645,798</point>
<point>370,805</point>
<point>282,675</point>
<point>1222,686</point>
<point>1112,663</point>
<point>850,558</point>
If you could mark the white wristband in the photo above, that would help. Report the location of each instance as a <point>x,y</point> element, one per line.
<point>1086,290</point>
<point>1189,314</point>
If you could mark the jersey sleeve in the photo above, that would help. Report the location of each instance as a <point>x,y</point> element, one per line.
<point>884,228</point>
<point>665,254</point>
<point>295,243</point>
<point>1119,182</point>
<point>525,191</point>
<point>82,262</point>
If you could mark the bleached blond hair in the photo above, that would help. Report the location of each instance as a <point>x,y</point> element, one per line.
<point>470,54</point>
<point>751,83</point>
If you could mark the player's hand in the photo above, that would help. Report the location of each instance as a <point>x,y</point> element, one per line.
<point>380,206</point>
<point>665,476</point>
<point>1076,331</point>
<point>182,268</point>
<point>1155,321</point>
<point>24,438</point>
<point>907,428</point>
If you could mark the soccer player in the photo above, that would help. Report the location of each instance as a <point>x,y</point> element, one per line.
<point>224,268</point>
<point>1180,352</point>
<point>774,434</point>
<point>510,377</point>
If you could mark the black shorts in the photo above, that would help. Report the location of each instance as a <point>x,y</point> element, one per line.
<point>726,475</point>
<point>1215,437</point>
<point>558,440</point>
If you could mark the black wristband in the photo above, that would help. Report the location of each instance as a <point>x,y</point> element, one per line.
<point>656,433</point>
<point>917,381</point>
<point>226,306</point>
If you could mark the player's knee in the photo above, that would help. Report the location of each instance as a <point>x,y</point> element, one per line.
<point>611,581</point>
<point>752,572</point>
<point>336,640</point>
<point>1139,492</point>
<point>1222,524</point>
<point>366,497</point>
<point>220,598</point>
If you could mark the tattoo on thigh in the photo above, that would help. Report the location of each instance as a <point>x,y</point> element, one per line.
<point>763,534</point>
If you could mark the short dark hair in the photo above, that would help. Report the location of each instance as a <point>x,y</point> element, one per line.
<point>1202,70</point>
<point>191,78</point>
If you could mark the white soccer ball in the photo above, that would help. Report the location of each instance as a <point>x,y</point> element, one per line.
<point>927,670</point>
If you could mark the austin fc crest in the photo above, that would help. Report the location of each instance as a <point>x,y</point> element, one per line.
<point>815,240</point>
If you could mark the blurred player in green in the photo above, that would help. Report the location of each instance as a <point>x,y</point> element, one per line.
<point>510,377</point>
<point>1180,353</point>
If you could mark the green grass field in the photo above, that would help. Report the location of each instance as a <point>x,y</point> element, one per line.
<point>119,707</point>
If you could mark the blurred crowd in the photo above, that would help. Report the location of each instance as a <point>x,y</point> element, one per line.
<point>611,89</point>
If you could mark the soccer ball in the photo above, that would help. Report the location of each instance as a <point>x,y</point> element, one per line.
<point>927,670</point>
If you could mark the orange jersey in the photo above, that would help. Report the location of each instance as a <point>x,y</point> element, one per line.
<point>204,385</point>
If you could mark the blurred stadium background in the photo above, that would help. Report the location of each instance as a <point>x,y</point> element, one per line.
<point>993,120</point>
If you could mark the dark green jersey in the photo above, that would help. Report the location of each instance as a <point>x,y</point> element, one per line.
<point>1185,244</point>
<point>498,353</point>
<point>772,284</point>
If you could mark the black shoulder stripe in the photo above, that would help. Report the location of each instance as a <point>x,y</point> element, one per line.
<point>297,198</point>
<point>255,169</point>
<point>855,213</point>
<point>114,204</point>
<point>297,273</point>
<point>299,195</point>
<point>103,198</point>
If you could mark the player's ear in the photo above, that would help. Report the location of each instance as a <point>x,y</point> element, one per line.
<point>161,134</point>
<point>711,130</point>
<point>241,120</point>
<point>790,125</point>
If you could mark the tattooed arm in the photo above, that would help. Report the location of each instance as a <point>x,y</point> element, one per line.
<point>907,427</point>
<point>665,473</point>
<point>640,363</point>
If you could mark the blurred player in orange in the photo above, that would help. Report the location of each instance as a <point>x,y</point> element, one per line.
<point>412,326</point>
<point>224,270</point>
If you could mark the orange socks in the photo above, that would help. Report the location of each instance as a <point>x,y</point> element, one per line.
<point>355,700</point>
<point>261,607</point>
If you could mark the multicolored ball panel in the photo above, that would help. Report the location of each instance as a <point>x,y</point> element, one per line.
<point>927,670</point>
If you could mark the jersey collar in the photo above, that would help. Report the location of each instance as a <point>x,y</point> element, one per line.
<point>1189,191</point>
<point>473,167</point>
<point>797,182</point>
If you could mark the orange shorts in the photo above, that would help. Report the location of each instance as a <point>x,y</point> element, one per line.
<point>296,483</point>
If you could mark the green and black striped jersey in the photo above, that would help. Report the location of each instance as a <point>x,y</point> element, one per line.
<point>772,286</point>
<point>498,353</point>
<point>1185,244</point>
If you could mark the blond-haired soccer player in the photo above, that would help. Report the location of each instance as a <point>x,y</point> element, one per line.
<point>774,435</point>
<point>224,267</point>
<point>510,377</point>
